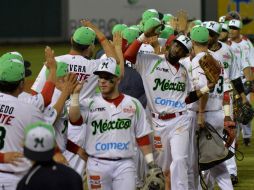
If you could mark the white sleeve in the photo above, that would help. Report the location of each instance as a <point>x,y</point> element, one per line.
<point>40,80</point>
<point>37,101</point>
<point>50,115</point>
<point>142,127</point>
<point>199,79</point>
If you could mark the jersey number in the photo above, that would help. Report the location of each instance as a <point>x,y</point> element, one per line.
<point>2,136</point>
<point>219,88</point>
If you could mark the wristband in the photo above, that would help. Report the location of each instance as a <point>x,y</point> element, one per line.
<point>226,110</point>
<point>74,100</point>
<point>204,90</point>
<point>149,158</point>
<point>141,38</point>
<point>102,39</point>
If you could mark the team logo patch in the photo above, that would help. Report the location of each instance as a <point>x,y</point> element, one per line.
<point>95,182</point>
<point>157,142</point>
<point>226,56</point>
<point>129,109</point>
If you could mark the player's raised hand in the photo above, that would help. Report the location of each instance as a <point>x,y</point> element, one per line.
<point>50,61</point>
<point>152,31</point>
<point>69,83</point>
<point>173,23</point>
<point>78,87</point>
<point>117,40</point>
<point>97,31</point>
<point>182,21</point>
<point>12,157</point>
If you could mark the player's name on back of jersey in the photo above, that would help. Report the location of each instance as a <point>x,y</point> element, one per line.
<point>168,85</point>
<point>103,126</point>
<point>80,71</point>
<point>6,114</point>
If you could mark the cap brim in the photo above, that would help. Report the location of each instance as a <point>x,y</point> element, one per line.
<point>101,72</point>
<point>39,156</point>
<point>185,48</point>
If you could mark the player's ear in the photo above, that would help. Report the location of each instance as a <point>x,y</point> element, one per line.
<point>21,86</point>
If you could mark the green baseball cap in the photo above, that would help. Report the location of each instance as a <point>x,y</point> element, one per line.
<point>197,22</point>
<point>130,34</point>
<point>119,28</point>
<point>39,141</point>
<point>108,65</point>
<point>199,34</point>
<point>152,22</point>
<point>12,55</point>
<point>166,32</point>
<point>84,36</point>
<point>167,17</point>
<point>150,13</point>
<point>11,70</point>
<point>62,69</point>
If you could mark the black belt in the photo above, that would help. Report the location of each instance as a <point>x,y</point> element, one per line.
<point>108,159</point>
<point>2,171</point>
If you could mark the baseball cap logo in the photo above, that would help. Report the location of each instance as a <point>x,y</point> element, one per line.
<point>105,64</point>
<point>211,24</point>
<point>39,141</point>
<point>186,40</point>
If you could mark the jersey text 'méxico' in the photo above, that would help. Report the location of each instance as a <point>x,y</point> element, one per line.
<point>166,87</point>
<point>15,115</point>
<point>83,67</point>
<point>112,131</point>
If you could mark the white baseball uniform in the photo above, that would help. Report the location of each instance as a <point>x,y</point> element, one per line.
<point>15,116</point>
<point>166,89</point>
<point>111,140</point>
<point>84,68</point>
<point>213,110</point>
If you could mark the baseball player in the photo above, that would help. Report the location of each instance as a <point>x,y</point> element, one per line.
<point>166,86</point>
<point>45,173</point>
<point>15,116</point>
<point>235,36</point>
<point>115,122</point>
<point>210,106</point>
<point>79,62</point>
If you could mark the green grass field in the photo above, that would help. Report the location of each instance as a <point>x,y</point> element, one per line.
<point>35,54</point>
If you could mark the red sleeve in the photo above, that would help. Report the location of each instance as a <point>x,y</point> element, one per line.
<point>131,53</point>
<point>47,92</point>
<point>142,141</point>
<point>33,92</point>
<point>78,122</point>
<point>1,157</point>
<point>124,45</point>
<point>72,147</point>
<point>226,97</point>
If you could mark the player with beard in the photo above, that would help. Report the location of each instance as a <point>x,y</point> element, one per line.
<point>166,84</point>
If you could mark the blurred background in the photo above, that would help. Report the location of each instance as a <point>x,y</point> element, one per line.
<point>28,25</point>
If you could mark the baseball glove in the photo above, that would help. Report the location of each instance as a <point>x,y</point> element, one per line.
<point>229,133</point>
<point>211,67</point>
<point>243,112</point>
<point>248,87</point>
<point>154,179</point>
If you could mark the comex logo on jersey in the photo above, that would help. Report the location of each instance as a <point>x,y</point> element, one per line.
<point>170,103</point>
<point>112,146</point>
